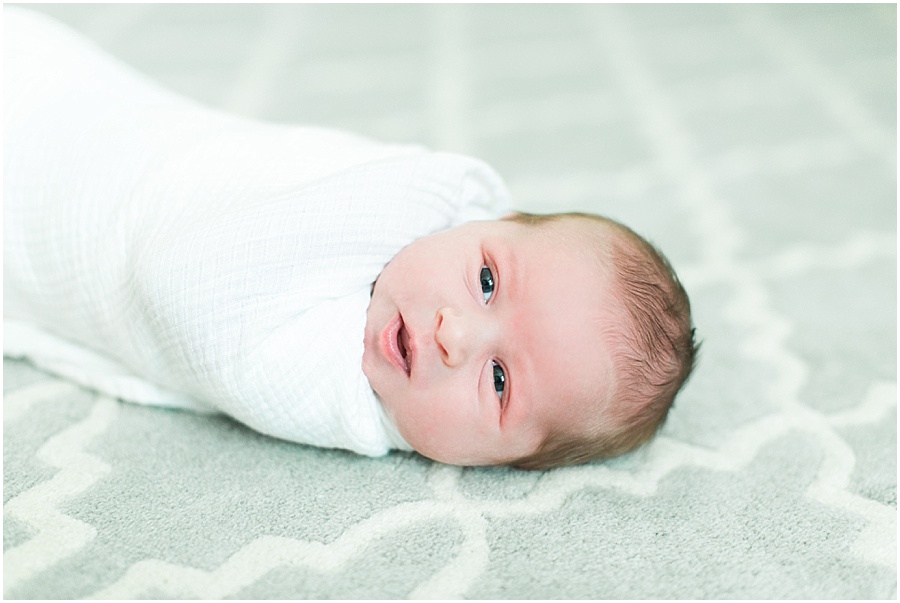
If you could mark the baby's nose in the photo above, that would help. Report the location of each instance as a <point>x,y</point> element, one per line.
<point>456,335</point>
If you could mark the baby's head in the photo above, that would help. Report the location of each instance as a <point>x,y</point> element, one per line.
<point>537,341</point>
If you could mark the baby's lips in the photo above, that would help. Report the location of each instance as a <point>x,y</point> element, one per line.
<point>390,343</point>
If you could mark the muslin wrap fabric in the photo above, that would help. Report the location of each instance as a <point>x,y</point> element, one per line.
<point>166,253</point>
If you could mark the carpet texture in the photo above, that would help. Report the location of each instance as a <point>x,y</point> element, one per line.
<point>756,145</point>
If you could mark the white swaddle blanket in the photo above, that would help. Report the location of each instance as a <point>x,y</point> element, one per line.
<point>166,253</point>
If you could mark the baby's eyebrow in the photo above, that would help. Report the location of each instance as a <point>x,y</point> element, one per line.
<point>508,267</point>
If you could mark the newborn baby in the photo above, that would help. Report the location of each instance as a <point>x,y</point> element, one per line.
<point>317,286</point>
<point>533,340</point>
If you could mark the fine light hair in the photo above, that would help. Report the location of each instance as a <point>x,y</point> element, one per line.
<point>653,349</point>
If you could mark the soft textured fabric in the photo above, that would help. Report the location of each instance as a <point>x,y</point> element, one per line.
<point>165,253</point>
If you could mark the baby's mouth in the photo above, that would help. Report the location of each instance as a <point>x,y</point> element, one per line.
<point>403,345</point>
<point>396,344</point>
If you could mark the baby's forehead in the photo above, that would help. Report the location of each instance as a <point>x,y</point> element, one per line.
<point>570,322</point>
<point>584,240</point>
<point>592,229</point>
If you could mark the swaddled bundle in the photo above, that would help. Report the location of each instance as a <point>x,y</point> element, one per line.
<point>165,253</point>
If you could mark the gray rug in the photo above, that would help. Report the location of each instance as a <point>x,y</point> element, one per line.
<point>755,145</point>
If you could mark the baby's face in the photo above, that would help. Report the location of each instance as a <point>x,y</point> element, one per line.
<point>482,338</point>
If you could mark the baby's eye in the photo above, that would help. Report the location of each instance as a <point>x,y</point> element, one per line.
<point>487,283</point>
<point>499,379</point>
